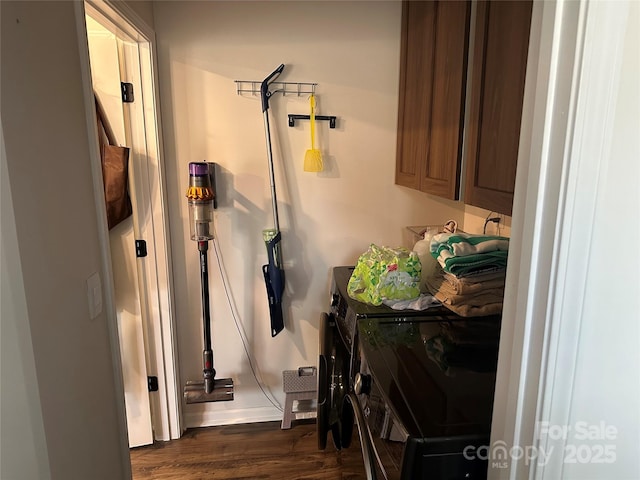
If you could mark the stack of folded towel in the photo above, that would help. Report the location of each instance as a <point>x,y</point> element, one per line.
<point>471,273</point>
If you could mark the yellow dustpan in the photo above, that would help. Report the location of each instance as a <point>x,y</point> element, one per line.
<point>313,156</point>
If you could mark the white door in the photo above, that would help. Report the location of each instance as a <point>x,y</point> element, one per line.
<point>105,53</point>
<point>146,329</point>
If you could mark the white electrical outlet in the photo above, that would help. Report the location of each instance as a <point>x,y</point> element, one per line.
<point>94,295</point>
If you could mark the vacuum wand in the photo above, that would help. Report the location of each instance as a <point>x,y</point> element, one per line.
<point>208,371</point>
<point>201,198</point>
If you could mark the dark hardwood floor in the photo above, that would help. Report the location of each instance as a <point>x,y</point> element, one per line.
<point>248,452</point>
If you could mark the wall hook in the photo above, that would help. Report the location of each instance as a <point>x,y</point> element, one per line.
<point>285,88</point>
<point>330,118</point>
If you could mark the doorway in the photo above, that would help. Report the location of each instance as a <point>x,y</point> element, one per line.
<point>119,53</point>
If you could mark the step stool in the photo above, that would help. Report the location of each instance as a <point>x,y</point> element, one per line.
<point>301,384</point>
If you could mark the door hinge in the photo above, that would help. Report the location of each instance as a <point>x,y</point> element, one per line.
<point>152,383</point>
<point>141,248</point>
<point>127,92</point>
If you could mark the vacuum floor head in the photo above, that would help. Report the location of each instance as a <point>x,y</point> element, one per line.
<point>194,392</point>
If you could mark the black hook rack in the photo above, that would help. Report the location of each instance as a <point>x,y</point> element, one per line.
<point>330,118</point>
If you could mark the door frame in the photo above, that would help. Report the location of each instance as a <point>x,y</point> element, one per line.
<point>540,338</point>
<point>157,287</point>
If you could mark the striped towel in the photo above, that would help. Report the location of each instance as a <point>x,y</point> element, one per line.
<point>463,254</point>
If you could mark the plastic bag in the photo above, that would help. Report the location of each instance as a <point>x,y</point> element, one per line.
<point>384,273</point>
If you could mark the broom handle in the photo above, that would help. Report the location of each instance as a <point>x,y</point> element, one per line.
<point>274,200</point>
<point>265,94</point>
<point>312,117</point>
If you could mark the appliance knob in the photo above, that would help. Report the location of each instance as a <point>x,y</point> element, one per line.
<point>362,384</point>
<point>335,299</point>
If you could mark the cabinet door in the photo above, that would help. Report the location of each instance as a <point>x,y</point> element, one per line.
<point>432,92</point>
<point>500,52</point>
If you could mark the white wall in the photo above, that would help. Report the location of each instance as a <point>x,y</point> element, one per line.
<point>142,8</point>
<point>475,218</point>
<point>23,450</point>
<point>352,50</point>
<point>56,225</point>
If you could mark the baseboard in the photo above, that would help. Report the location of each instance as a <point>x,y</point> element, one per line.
<point>230,417</point>
<point>241,415</point>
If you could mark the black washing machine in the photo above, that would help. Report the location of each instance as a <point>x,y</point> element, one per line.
<point>333,387</point>
<point>419,386</point>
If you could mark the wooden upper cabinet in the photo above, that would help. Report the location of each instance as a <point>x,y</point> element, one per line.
<point>434,52</point>
<point>500,52</point>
